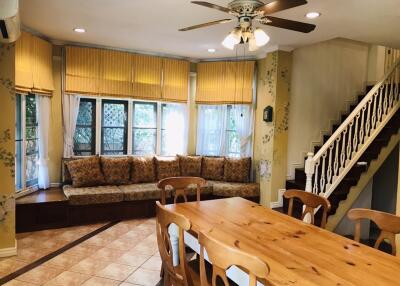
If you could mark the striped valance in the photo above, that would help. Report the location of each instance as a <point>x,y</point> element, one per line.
<point>33,65</point>
<point>122,74</point>
<point>225,82</point>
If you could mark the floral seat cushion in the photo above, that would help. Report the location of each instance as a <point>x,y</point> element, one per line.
<point>191,190</point>
<point>228,189</point>
<point>140,192</point>
<point>93,195</point>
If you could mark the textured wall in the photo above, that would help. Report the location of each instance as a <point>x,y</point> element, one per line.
<point>7,146</point>
<point>326,78</point>
<point>270,141</point>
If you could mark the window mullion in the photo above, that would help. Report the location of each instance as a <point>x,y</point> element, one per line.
<point>23,127</point>
<point>130,119</point>
<point>98,125</point>
<point>158,144</point>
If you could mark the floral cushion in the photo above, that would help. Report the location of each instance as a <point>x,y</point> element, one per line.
<point>191,190</point>
<point>116,170</point>
<point>167,168</point>
<point>93,195</point>
<point>237,170</point>
<point>244,190</point>
<point>67,180</point>
<point>139,192</point>
<point>212,168</point>
<point>190,165</point>
<point>86,172</point>
<point>143,170</point>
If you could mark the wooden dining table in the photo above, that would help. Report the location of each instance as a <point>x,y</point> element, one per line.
<point>296,252</point>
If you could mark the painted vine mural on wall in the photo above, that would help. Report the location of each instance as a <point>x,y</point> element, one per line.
<point>6,157</point>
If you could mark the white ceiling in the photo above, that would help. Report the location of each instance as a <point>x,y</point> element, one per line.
<point>151,26</point>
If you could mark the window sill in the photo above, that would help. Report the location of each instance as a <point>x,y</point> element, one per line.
<point>26,191</point>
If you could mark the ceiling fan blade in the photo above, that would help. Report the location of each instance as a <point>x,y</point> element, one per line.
<point>223,21</point>
<point>213,6</point>
<point>289,24</point>
<point>280,5</point>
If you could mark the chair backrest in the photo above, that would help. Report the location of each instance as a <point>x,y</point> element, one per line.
<point>311,202</point>
<point>179,184</point>
<point>223,256</point>
<point>177,275</point>
<point>388,223</point>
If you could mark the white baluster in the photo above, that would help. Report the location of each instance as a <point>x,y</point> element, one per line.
<point>373,118</point>
<point>381,94</point>
<point>309,170</point>
<point>336,163</point>
<point>361,133</point>
<point>368,124</point>
<point>343,152</point>
<point>329,171</point>
<point>315,188</point>
<point>349,149</point>
<point>322,180</point>
<point>355,138</point>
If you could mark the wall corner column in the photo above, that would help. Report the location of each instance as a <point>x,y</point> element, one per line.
<point>271,138</point>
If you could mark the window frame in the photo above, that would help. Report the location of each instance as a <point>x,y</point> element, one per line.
<point>22,184</point>
<point>156,128</point>
<point>102,127</point>
<point>92,126</point>
<point>229,153</point>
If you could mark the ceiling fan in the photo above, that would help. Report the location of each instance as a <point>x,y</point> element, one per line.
<point>248,10</point>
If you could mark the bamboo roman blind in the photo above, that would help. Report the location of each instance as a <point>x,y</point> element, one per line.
<point>33,65</point>
<point>122,74</point>
<point>225,82</point>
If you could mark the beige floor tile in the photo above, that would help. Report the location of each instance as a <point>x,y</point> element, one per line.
<point>82,250</point>
<point>132,259</point>
<point>31,254</point>
<point>123,244</point>
<point>116,271</point>
<point>154,263</point>
<point>99,281</point>
<point>64,261</point>
<point>89,266</point>
<point>68,278</point>
<point>40,275</point>
<point>17,283</point>
<point>143,248</point>
<point>144,277</point>
<point>10,265</point>
<point>107,254</point>
<point>99,241</point>
<point>127,284</point>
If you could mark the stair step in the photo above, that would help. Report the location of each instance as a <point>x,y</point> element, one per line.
<point>300,175</point>
<point>293,184</point>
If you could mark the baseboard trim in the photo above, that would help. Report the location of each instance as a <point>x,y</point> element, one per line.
<point>279,203</point>
<point>9,251</point>
<point>55,185</point>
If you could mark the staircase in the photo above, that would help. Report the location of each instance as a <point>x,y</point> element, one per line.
<point>359,138</point>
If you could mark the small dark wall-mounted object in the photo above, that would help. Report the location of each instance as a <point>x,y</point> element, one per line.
<point>268,114</point>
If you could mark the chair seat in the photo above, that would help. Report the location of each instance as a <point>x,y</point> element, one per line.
<point>191,190</point>
<point>140,192</point>
<point>93,195</point>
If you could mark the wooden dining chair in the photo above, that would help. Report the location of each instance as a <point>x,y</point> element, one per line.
<point>389,225</point>
<point>311,202</point>
<point>223,256</point>
<point>179,274</point>
<point>179,184</point>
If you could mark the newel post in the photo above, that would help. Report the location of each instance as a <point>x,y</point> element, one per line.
<point>309,170</point>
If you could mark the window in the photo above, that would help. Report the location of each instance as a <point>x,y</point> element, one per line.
<point>114,127</point>
<point>144,128</point>
<point>173,129</point>
<point>218,129</point>
<point>85,132</point>
<point>124,127</point>
<point>231,135</point>
<point>26,142</point>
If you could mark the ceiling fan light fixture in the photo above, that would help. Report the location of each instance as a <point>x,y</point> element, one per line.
<point>261,38</point>
<point>313,15</point>
<point>252,44</point>
<point>232,39</point>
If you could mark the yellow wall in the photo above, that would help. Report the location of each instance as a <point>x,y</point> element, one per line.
<point>7,144</point>
<point>270,141</point>
<point>56,126</point>
<point>398,209</point>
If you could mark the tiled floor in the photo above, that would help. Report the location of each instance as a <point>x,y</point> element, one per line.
<point>124,254</point>
<point>35,245</point>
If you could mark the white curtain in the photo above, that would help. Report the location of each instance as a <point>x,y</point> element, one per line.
<point>43,111</point>
<point>243,115</point>
<point>174,129</point>
<point>70,115</point>
<point>211,125</point>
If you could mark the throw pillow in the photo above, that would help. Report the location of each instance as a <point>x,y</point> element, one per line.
<point>212,168</point>
<point>143,170</point>
<point>190,166</point>
<point>116,170</point>
<point>237,170</point>
<point>86,172</point>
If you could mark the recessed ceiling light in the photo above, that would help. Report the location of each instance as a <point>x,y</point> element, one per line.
<point>79,30</point>
<point>211,50</point>
<point>313,15</point>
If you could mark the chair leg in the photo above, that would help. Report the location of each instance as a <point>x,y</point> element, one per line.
<point>162,271</point>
